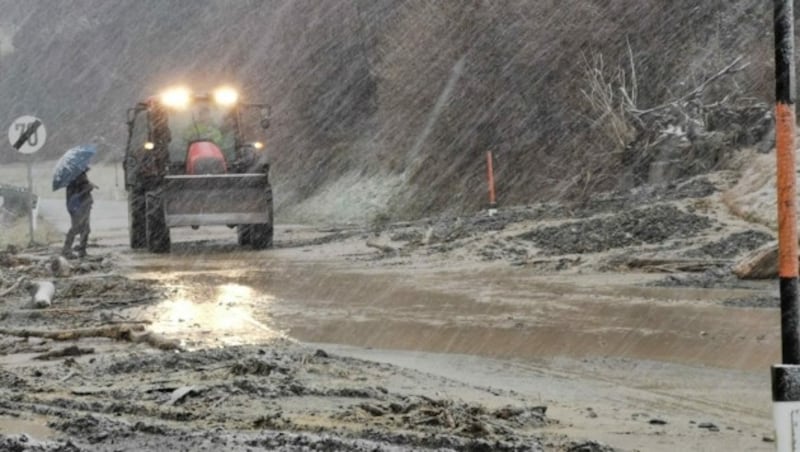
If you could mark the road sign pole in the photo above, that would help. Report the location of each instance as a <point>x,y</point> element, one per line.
<point>29,163</point>
<point>27,135</point>
<point>786,376</point>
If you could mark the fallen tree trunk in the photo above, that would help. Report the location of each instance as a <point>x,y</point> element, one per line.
<point>675,265</point>
<point>118,332</point>
<point>72,350</point>
<point>157,341</point>
<point>54,311</point>
<point>384,248</point>
<point>43,293</point>
<point>18,260</point>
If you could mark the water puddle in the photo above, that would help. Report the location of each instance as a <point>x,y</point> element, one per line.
<point>212,311</point>
<point>35,427</point>
<point>240,298</point>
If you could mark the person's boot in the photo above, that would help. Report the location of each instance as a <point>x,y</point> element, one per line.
<point>81,252</point>
<point>67,253</point>
<point>66,250</point>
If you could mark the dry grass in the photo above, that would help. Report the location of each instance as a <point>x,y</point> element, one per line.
<point>611,94</point>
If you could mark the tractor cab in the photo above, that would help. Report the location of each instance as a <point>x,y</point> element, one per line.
<point>203,138</point>
<point>180,133</point>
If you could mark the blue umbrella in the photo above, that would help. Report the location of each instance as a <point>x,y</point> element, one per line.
<point>72,164</point>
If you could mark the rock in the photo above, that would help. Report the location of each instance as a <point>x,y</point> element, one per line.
<point>708,426</point>
<point>59,267</point>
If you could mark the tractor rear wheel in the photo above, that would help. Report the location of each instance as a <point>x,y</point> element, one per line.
<point>261,236</point>
<point>157,231</point>
<point>136,219</point>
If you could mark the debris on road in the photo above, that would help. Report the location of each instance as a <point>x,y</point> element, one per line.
<point>114,365</point>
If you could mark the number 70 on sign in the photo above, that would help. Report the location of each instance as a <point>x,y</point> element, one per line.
<point>27,134</point>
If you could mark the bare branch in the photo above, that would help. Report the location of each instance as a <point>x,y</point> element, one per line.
<point>727,70</point>
<point>634,87</point>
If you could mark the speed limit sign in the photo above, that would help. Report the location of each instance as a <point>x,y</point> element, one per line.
<point>27,134</point>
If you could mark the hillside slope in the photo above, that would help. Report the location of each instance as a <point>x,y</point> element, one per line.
<point>385,108</point>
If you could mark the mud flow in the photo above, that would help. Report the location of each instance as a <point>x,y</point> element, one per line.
<point>247,298</point>
<point>609,327</point>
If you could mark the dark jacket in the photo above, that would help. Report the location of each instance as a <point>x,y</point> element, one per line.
<point>79,194</point>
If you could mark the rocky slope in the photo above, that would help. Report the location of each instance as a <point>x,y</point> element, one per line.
<point>386,107</point>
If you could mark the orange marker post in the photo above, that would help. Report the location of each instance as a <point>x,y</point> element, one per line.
<point>787,193</point>
<point>490,178</point>
<point>786,376</point>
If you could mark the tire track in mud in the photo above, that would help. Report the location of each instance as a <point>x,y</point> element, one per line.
<point>662,400</point>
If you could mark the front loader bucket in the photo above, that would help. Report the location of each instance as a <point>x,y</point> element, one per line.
<point>220,199</point>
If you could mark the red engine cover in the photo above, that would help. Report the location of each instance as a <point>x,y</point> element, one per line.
<point>204,157</point>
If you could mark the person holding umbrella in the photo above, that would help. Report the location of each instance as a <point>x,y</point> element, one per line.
<point>71,172</point>
<point>79,206</point>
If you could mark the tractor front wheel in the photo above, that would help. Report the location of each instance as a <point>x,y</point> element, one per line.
<point>157,231</point>
<point>261,236</point>
<point>244,234</point>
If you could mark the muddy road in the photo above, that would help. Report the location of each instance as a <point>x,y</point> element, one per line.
<point>490,312</point>
<point>632,360</point>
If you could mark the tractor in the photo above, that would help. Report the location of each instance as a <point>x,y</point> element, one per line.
<point>197,160</point>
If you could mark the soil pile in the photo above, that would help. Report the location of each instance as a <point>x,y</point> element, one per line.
<point>676,227</point>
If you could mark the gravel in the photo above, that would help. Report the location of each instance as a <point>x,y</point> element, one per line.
<point>756,301</point>
<point>636,227</point>
<point>733,245</point>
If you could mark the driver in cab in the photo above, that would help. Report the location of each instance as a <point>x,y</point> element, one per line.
<point>203,128</point>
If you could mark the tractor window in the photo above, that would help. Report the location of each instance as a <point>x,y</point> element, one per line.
<point>201,121</point>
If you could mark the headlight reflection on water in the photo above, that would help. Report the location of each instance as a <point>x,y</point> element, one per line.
<point>234,293</point>
<point>225,314</point>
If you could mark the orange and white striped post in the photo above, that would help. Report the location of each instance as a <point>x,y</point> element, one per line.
<point>786,376</point>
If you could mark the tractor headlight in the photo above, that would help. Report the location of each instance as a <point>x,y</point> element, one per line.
<point>149,145</point>
<point>258,145</point>
<point>176,98</point>
<point>225,96</point>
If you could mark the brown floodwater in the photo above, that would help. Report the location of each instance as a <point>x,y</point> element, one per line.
<point>234,297</point>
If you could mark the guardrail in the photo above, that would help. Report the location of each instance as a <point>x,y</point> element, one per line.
<point>14,201</point>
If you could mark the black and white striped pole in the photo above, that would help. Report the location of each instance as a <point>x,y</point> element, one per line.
<point>786,376</point>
